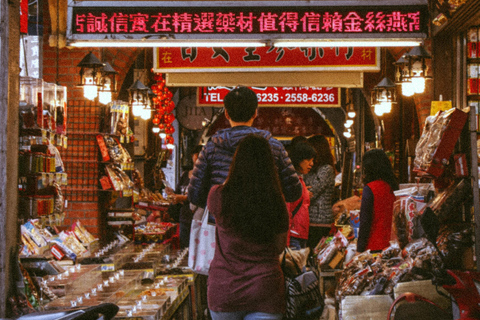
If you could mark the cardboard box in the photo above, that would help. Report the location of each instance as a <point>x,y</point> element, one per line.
<point>426,289</point>
<point>366,307</point>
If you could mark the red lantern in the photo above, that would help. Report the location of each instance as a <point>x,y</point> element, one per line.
<point>169,139</point>
<point>155,120</point>
<point>171,117</point>
<point>161,110</point>
<point>169,129</point>
<point>166,119</point>
<point>161,126</point>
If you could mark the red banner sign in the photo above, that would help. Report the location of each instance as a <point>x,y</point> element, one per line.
<point>169,60</point>
<point>292,19</point>
<point>276,96</point>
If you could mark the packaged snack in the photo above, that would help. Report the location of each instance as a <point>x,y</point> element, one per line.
<point>69,252</point>
<point>69,239</point>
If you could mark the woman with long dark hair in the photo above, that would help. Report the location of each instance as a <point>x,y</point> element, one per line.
<point>376,210</point>
<point>245,279</point>
<point>321,181</point>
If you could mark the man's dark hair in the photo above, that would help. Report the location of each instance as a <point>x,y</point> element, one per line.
<point>241,104</point>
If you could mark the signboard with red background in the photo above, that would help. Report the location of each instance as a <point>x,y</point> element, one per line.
<point>169,60</point>
<point>276,96</point>
<point>107,20</point>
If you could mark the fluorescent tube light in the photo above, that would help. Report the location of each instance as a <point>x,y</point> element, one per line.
<point>346,43</point>
<point>163,43</point>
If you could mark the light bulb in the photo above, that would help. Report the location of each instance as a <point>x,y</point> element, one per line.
<point>378,110</point>
<point>104,97</point>
<point>90,92</point>
<point>348,124</point>
<point>155,129</point>
<point>351,114</point>
<point>137,109</point>
<point>170,146</point>
<point>386,106</point>
<point>407,89</point>
<point>347,134</point>
<point>418,84</point>
<point>146,114</point>
<point>162,135</point>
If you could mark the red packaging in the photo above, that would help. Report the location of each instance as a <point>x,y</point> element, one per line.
<point>105,182</point>
<point>40,110</point>
<point>103,148</point>
<point>472,86</point>
<point>461,169</point>
<point>57,252</point>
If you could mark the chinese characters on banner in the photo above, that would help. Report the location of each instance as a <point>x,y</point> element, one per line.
<point>276,96</point>
<point>249,20</point>
<point>265,59</point>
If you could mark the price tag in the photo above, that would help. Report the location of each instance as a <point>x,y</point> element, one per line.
<point>107,267</point>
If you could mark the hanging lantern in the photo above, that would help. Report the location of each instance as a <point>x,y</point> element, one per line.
<point>402,77</point>
<point>383,96</point>
<point>411,71</point>
<point>162,134</point>
<point>418,68</point>
<point>108,84</point>
<point>90,75</point>
<point>138,96</point>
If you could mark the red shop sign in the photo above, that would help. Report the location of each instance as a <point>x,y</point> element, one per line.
<point>170,60</point>
<point>276,96</point>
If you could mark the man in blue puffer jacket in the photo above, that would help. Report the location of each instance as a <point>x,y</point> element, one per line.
<point>214,160</point>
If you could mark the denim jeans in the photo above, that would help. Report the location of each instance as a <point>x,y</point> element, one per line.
<point>245,315</point>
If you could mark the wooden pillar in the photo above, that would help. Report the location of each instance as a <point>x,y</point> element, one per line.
<point>9,91</point>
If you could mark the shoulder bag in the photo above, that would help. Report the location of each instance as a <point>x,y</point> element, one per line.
<point>202,242</point>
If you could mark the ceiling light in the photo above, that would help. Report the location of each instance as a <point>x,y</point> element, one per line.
<point>347,43</point>
<point>165,43</point>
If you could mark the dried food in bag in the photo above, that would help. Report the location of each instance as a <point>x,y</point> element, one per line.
<point>114,150</point>
<point>400,225</point>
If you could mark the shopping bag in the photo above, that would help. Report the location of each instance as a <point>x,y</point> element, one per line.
<point>304,300</point>
<point>202,243</point>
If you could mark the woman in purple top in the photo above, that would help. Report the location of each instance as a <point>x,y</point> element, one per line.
<point>245,280</point>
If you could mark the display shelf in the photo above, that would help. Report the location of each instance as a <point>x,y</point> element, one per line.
<point>148,206</point>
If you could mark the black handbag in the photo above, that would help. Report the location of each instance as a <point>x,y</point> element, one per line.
<point>304,300</point>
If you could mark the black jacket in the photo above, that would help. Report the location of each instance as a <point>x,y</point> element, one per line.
<point>214,160</point>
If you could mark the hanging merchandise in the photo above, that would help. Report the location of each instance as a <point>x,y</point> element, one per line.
<point>163,117</point>
<point>119,114</point>
<point>438,140</point>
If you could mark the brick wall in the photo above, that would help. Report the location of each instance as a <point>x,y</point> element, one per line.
<point>83,122</point>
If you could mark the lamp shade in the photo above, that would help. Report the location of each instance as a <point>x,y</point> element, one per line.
<point>383,96</point>
<point>90,75</point>
<point>138,94</point>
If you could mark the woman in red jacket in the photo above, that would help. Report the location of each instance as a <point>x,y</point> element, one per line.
<point>302,155</point>
<point>376,210</point>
